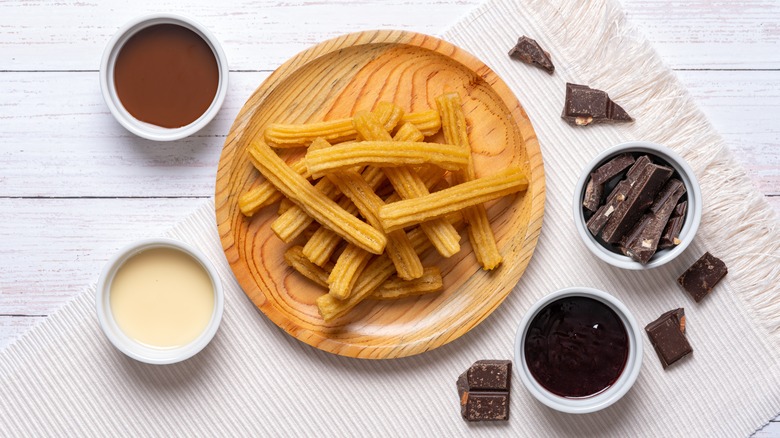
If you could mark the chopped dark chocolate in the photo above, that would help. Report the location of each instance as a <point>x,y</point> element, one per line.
<point>490,374</point>
<point>593,194</point>
<point>595,189</point>
<point>702,276</point>
<point>486,406</point>
<point>671,234</point>
<point>612,168</point>
<point>639,197</point>
<point>585,105</point>
<point>617,196</point>
<point>667,334</point>
<point>642,241</point>
<point>530,52</point>
<point>484,390</point>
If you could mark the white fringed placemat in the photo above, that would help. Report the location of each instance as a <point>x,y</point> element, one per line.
<point>64,378</point>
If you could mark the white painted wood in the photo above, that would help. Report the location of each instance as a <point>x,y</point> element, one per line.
<point>256,35</point>
<point>78,149</point>
<point>52,249</point>
<point>744,106</point>
<point>711,34</point>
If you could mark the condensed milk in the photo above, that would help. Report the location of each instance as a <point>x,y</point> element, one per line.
<point>159,301</point>
<point>162,297</point>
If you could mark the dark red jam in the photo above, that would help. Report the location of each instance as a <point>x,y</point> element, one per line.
<point>576,347</point>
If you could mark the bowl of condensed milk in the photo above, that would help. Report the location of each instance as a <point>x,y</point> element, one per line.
<point>164,76</point>
<point>159,301</point>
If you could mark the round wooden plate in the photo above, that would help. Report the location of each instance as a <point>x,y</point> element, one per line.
<point>335,79</point>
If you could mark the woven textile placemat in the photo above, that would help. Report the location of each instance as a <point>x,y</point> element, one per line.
<point>65,378</point>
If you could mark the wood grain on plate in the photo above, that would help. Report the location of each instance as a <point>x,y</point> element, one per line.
<point>333,80</point>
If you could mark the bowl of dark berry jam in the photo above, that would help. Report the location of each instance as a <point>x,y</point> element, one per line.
<point>578,350</point>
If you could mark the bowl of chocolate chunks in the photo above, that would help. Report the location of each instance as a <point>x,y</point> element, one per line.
<point>637,205</point>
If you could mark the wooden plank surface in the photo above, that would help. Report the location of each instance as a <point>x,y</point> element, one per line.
<point>74,186</point>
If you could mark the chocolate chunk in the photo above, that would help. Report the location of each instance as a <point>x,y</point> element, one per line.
<point>617,196</point>
<point>585,105</point>
<point>484,390</point>
<point>490,374</point>
<point>487,406</point>
<point>667,334</point>
<point>639,197</point>
<point>530,52</point>
<point>595,188</point>
<point>702,276</point>
<point>593,194</point>
<point>612,168</point>
<point>642,241</point>
<point>671,234</point>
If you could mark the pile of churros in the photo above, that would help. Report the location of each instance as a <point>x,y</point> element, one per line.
<point>371,195</point>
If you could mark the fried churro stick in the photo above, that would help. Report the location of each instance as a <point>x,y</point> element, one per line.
<point>481,235</point>
<point>379,269</point>
<point>394,287</point>
<point>265,193</point>
<point>409,185</point>
<point>323,209</point>
<point>292,222</point>
<point>428,122</point>
<point>399,248</point>
<point>412,211</point>
<point>407,132</point>
<point>348,267</point>
<point>323,242</point>
<point>280,135</point>
<point>383,154</point>
<point>296,260</point>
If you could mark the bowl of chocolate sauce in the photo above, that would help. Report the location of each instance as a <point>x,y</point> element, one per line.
<point>578,350</point>
<point>164,76</point>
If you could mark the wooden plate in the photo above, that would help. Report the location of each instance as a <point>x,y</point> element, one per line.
<point>333,80</point>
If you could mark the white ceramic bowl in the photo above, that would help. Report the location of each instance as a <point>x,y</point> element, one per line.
<point>606,398</point>
<point>692,216</point>
<point>134,349</point>
<point>147,130</point>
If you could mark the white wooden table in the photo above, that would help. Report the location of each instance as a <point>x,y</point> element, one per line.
<point>75,186</point>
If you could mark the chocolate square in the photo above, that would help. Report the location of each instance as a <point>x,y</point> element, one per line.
<point>702,276</point>
<point>484,390</point>
<point>490,375</point>
<point>487,406</point>
<point>667,335</point>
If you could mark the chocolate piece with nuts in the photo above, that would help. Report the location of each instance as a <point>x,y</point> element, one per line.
<point>642,242</point>
<point>484,390</point>
<point>617,196</point>
<point>639,197</point>
<point>667,334</point>
<point>530,52</point>
<point>671,235</point>
<point>595,188</point>
<point>702,276</point>
<point>585,105</point>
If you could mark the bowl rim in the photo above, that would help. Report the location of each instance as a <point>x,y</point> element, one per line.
<point>586,404</point>
<point>692,216</point>
<point>132,348</point>
<point>108,90</point>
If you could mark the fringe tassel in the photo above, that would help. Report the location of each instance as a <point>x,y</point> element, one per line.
<point>738,224</point>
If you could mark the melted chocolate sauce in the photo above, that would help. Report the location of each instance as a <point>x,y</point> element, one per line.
<point>166,75</point>
<point>576,347</point>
